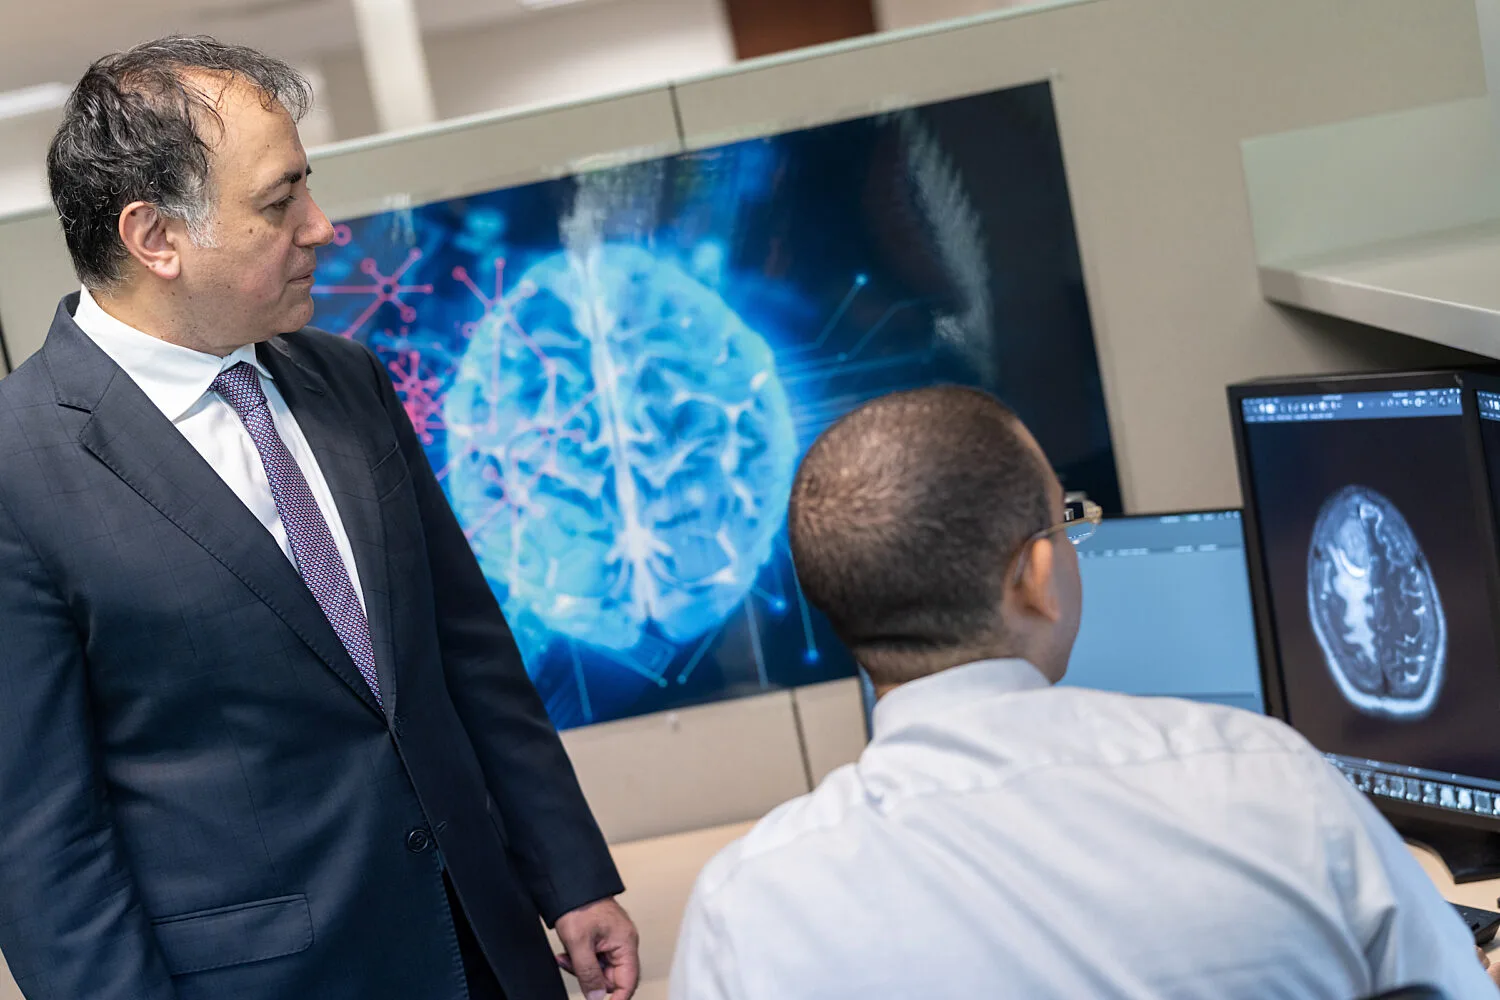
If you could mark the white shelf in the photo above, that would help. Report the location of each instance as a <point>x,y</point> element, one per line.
<point>1391,221</point>
<point>1443,287</point>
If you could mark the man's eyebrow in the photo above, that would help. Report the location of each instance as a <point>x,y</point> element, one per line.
<point>290,177</point>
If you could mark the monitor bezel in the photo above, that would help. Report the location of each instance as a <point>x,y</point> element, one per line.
<point>1468,381</point>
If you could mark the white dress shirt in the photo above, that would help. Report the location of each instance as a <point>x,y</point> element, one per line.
<point>176,380</point>
<point>1003,838</point>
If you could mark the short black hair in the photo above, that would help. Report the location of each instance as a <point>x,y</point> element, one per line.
<point>132,130</point>
<point>904,516</point>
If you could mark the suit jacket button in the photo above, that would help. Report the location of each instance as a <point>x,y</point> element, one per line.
<point>418,841</point>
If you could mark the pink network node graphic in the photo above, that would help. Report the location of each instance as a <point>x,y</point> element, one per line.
<point>497,307</point>
<point>533,442</point>
<point>419,394</point>
<point>384,289</point>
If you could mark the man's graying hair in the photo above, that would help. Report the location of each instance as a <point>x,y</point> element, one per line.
<point>133,130</point>
<point>904,517</point>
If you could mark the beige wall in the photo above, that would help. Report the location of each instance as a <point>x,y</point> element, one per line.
<point>1153,99</point>
<point>568,54</point>
<point>893,15</point>
<point>23,159</point>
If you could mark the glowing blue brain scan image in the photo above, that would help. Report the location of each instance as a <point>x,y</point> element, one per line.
<point>628,449</point>
<point>1375,607</point>
<point>613,373</point>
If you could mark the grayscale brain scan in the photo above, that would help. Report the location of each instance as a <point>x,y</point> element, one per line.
<point>1375,606</point>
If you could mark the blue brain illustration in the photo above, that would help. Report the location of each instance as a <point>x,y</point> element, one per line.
<point>621,448</point>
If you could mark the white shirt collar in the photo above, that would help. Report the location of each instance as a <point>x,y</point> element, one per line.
<point>933,696</point>
<point>173,377</point>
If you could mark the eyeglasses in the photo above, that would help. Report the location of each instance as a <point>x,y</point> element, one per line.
<point>1080,520</point>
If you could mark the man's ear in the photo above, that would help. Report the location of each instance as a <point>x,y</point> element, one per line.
<point>152,239</point>
<point>1035,591</point>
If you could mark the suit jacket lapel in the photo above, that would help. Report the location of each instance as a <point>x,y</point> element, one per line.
<point>134,440</point>
<point>347,465</point>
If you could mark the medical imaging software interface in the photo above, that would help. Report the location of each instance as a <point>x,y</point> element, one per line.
<point>1167,610</point>
<point>1378,585</point>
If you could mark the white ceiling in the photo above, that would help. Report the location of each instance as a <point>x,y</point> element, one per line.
<point>54,40</point>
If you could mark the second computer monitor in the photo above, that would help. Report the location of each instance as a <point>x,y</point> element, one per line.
<point>1167,611</point>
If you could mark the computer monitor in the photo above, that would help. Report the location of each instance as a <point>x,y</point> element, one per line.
<point>1373,563</point>
<point>1166,611</point>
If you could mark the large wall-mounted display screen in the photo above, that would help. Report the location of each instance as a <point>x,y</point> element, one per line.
<point>615,373</point>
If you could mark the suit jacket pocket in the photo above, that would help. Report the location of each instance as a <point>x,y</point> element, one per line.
<point>234,935</point>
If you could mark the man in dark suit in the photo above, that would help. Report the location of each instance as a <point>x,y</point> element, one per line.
<point>264,733</point>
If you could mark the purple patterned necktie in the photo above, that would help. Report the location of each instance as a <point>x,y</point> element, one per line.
<point>317,556</point>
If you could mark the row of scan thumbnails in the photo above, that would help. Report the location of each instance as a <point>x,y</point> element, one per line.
<point>1429,793</point>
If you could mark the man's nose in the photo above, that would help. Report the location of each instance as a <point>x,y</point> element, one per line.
<point>319,230</point>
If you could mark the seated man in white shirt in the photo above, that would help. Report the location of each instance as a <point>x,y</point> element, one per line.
<point>1001,837</point>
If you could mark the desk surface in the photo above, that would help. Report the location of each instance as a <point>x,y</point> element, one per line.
<point>1481,894</point>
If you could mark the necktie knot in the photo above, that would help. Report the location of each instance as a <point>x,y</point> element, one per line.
<point>239,386</point>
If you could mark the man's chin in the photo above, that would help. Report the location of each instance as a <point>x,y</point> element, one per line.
<point>295,316</point>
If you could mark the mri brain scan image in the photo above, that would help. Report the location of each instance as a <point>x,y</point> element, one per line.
<point>1375,606</point>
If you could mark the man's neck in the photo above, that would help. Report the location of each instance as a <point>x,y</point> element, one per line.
<point>144,313</point>
<point>883,688</point>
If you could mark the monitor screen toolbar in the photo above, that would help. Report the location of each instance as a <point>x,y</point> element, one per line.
<point>1446,402</point>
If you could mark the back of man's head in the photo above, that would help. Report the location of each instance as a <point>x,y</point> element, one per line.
<point>905,517</point>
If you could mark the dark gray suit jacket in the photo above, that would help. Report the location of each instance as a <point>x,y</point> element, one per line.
<point>199,796</point>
